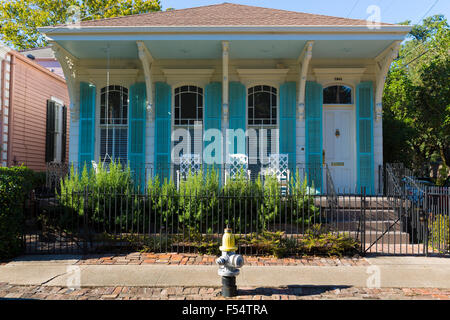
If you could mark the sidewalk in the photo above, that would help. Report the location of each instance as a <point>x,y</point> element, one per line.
<point>398,276</point>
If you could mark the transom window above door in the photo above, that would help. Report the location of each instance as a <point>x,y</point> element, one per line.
<point>337,95</point>
<point>188,105</point>
<point>262,106</point>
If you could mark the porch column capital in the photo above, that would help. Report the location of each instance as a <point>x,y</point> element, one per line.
<point>69,65</point>
<point>225,79</point>
<point>146,60</point>
<point>303,60</point>
<point>383,62</point>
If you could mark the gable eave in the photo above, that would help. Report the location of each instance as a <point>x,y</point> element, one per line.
<point>73,29</point>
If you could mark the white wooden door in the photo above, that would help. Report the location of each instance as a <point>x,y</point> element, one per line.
<point>339,146</point>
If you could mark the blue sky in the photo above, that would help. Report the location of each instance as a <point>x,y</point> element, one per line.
<point>392,11</point>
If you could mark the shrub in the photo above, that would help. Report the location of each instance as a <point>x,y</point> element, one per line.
<point>440,233</point>
<point>317,241</point>
<point>104,195</point>
<point>16,184</point>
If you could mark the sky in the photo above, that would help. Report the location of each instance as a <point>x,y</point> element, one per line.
<point>391,11</point>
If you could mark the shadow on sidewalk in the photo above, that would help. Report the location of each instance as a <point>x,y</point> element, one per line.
<point>297,290</point>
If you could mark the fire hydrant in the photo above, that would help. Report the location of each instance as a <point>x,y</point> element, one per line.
<point>229,263</point>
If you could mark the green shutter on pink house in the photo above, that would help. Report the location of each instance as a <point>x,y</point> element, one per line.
<point>163,118</point>
<point>212,118</point>
<point>136,132</point>
<point>86,145</point>
<point>313,132</point>
<point>364,137</point>
<point>288,102</point>
<point>237,114</point>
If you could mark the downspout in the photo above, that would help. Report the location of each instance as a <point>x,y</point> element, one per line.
<point>10,108</point>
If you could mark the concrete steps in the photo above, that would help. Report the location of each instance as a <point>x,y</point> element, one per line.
<point>390,237</point>
<point>379,216</point>
<point>355,214</point>
<point>372,225</point>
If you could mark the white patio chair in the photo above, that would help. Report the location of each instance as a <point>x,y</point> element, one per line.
<point>236,163</point>
<point>188,163</point>
<point>278,167</point>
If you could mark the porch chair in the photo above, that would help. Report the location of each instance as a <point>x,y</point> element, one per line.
<point>278,167</point>
<point>236,163</point>
<point>188,163</point>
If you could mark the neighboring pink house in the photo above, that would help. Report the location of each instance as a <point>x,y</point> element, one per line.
<point>46,58</point>
<point>33,114</point>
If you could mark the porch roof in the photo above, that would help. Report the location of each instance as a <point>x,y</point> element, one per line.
<point>253,33</point>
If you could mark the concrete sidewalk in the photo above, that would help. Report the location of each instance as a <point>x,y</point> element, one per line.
<point>394,272</point>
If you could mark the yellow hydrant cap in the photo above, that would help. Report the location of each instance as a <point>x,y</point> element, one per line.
<point>228,241</point>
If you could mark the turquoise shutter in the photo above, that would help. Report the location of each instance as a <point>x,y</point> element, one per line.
<point>237,113</point>
<point>136,132</point>
<point>163,102</point>
<point>288,101</point>
<point>86,144</point>
<point>364,136</point>
<point>213,116</point>
<point>313,111</point>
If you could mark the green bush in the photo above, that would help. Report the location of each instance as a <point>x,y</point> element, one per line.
<point>16,183</point>
<point>440,233</point>
<point>108,202</point>
<point>107,196</point>
<point>317,241</point>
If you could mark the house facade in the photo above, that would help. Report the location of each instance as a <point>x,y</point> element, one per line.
<point>217,81</point>
<point>34,122</point>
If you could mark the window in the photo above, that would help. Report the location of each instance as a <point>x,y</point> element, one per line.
<point>56,132</point>
<point>262,126</point>
<point>337,95</point>
<point>114,124</point>
<point>188,105</point>
<point>262,105</point>
<point>189,116</point>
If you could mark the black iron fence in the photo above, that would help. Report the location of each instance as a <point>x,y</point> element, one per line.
<point>107,212</point>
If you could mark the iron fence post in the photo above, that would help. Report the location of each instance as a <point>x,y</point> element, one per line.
<point>425,210</point>
<point>363,235</point>
<point>85,224</point>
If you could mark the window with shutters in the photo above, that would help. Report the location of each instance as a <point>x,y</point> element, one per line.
<point>337,95</point>
<point>262,123</point>
<point>114,124</point>
<point>188,106</point>
<point>56,128</point>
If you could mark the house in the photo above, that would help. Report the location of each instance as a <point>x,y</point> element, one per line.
<point>223,80</point>
<point>33,115</point>
<point>44,57</point>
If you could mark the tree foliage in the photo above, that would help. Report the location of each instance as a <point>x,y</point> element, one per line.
<point>19,19</point>
<point>416,98</point>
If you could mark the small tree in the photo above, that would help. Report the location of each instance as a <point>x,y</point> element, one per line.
<point>20,19</point>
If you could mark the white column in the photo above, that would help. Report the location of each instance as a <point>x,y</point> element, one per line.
<point>304,59</point>
<point>69,64</point>
<point>383,63</point>
<point>147,59</point>
<point>225,101</point>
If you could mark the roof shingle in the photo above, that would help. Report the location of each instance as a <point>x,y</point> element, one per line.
<point>225,14</point>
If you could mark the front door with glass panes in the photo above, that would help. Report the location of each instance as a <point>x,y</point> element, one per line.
<point>188,122</point>
<point>339,143</point>
<point>262,126</point>
<point>114,124</point>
